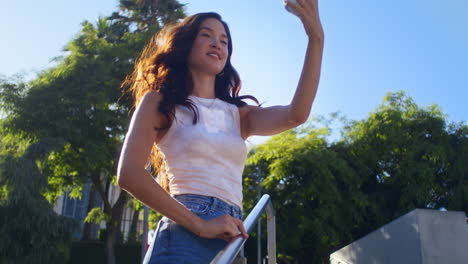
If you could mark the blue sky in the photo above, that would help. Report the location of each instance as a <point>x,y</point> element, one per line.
<point>371,48</point>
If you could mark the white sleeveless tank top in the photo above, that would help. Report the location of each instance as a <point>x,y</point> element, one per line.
<point>207,158</point>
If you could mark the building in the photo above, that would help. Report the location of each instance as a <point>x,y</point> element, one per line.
<point>77,209</point>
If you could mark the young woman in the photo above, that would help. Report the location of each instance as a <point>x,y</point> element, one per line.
<point>191,124</point>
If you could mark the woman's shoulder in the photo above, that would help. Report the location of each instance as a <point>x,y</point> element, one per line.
<point>149,103</point>
<point>152,97</point>
<point>245,109</point>
<point>152,100</point>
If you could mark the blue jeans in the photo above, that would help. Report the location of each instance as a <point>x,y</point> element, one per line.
<point>173,243</point>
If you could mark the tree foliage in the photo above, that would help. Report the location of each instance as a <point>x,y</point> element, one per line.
<point>326,195</point>
<point>79,102</point>
<point>28,224</point>
<point>406,156</point>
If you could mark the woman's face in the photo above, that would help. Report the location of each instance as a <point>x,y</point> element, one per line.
<point>210,48</point>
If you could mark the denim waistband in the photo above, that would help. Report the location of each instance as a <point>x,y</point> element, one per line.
<point>215,204</point>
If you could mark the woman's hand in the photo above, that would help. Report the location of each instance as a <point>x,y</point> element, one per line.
<point>307,11</point>
<point>224,227</point>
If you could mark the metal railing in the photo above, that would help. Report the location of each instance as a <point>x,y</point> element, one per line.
<point>229,253</point>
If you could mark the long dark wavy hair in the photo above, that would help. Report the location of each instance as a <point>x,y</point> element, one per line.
<point>163,67</point>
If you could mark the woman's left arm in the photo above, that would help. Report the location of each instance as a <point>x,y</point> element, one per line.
<point>275,119</point>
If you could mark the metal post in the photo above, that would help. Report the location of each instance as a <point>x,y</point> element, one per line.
<point>271,227</point>
<point>259,242</point>
<point>228,254</point>
<point>259,236</point>
<point>144,239</point>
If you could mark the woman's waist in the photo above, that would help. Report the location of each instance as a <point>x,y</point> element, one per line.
<point>208,204</point>
<point>228,190</point>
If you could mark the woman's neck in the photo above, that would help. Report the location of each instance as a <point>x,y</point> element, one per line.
<point>203,85</point>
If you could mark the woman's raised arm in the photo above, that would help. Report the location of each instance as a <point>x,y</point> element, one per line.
<point>275,119</point>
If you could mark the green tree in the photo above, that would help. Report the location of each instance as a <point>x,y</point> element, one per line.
<point>408,157</point>
<point>315,193</point>
<point>79,101</point>
<point>326,195</point>
<point>456,183</point>
<point>31,231</point>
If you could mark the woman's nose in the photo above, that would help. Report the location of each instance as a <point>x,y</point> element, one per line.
<point>215,43</point>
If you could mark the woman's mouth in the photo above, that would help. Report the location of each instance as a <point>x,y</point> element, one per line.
<point>214,55</point>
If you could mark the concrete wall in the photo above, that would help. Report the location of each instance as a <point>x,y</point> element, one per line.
<point>421,236</point>
<point>444,237</point>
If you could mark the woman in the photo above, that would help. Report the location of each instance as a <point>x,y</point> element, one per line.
<point>191,123</point>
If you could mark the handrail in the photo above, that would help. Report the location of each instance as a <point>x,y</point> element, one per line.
<point>229,253</point>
